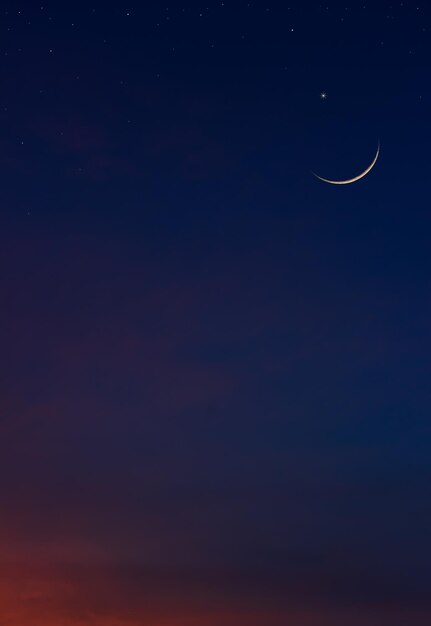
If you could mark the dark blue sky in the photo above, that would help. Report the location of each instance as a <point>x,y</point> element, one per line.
<point>214,383</point>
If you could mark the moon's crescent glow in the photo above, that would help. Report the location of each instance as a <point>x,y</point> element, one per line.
<point>352,180</point>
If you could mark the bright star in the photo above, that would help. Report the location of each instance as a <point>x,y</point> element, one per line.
<point>323,95</point>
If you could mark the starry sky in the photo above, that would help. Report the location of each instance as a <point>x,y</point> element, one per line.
<point>214,375</point>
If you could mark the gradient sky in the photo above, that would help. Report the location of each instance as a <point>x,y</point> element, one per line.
<point>214,376</point>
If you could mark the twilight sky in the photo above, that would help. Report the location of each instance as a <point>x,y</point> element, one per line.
<point>214,376</point>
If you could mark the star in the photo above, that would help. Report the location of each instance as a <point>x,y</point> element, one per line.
<point>323,95</point>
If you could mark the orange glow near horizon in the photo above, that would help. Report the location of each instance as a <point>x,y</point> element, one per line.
<point>44,598</point>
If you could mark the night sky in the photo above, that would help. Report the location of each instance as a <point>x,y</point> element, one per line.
<point>215,391</point>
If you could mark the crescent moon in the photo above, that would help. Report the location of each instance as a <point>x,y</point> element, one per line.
<point>356,178</point>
